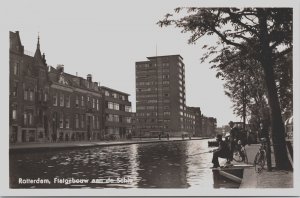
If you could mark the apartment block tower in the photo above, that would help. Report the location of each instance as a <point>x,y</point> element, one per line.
<point>160,96</point>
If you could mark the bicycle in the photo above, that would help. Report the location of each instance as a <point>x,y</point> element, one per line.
<point>261,156</point>
<point>239,153</point>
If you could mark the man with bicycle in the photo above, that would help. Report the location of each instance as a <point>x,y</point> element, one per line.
<point>236,141</point>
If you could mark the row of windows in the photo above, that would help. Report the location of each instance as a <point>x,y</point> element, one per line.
<point>116,106</point>
<point>149,65</point>
<point>186,115</point>
<point>165,82</point>
<point>29,95</point>
<point>117,118</point>
<point>115,95</point>
<point>80,121</point>
<point>65,101</point>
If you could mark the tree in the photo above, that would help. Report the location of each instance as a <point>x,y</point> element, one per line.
<point>264,34</point>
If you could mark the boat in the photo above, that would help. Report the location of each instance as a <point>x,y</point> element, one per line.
<point>234,173</point>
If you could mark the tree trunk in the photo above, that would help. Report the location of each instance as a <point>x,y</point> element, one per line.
<point>277,126</point>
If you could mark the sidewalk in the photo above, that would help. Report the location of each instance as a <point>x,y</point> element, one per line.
<point>273,179</point>
<point>77,144</point>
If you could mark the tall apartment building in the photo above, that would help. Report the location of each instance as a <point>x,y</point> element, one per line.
<point>160,96</point>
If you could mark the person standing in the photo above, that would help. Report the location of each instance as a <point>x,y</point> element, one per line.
<point>264,133</point>
<point>234,132</point>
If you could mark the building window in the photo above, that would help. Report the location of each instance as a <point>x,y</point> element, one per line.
<point>68,101</point>
<point>15,89</point>
<point>115,95</point>
<point>109,117</point>
<point>97,104</point>
<point>166,113</point>
<point>128,108</point>
<point>94,122</point>
<point>55,100</point>
<point>116,106</point>
<point>77,102</point>
<point>30,95</point>
<point>67,123</point>
<point>82,121</point>
<point>25,119</point>
<point>76,121</point>
<point>97,120</point>
<point>82,101</point>
<point>25,94</point>
<point>128,119</point>
<point>93,103</point>
<point>16,69</point>
<point>14,114</point>
<point>106,93</point>
<point>45,97</point>
<point>61,121</point>
<point>30,118</point>
<point>116,118</point>
<point>123,97</point>
<point>62,100</point>
<point>110,105</point>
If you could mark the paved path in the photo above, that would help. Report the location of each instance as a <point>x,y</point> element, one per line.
<point>60,145</point>
<point>272,179</point>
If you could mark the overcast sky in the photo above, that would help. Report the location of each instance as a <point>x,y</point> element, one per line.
<point>106,38</point>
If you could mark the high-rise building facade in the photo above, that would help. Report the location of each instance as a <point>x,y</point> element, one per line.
<point>160,96</point>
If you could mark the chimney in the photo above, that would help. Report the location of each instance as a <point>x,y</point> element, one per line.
<point>89,77</point>
<point>60,68</point>
<point>44,58</point>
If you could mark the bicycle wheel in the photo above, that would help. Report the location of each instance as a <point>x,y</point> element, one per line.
<point>259,162</point>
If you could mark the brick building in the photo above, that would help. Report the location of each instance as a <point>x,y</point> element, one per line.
<point>196,120</point>
<point>117,113</point>
<point>29,90</point>
<point>47,104</point>
<point>76,107</point>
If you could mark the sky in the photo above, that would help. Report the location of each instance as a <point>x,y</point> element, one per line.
<point>106,38</point>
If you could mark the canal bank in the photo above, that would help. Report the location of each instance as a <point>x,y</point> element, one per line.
<point>70,145</point>
<point>272,179</point>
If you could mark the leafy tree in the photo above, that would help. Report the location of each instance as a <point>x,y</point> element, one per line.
<point>262,34</point>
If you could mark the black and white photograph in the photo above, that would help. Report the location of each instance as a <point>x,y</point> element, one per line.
<point>150,98</point>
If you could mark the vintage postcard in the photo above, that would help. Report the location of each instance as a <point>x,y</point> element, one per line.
<point>150,98</point>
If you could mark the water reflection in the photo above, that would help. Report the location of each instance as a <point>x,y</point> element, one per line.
<point>155,165</point>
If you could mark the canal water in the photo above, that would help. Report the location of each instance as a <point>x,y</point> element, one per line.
<point>151,165</point>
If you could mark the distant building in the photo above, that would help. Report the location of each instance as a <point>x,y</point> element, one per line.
<point>133,125</point>
<point>209,125</point>
<point>160,96</point>
<point>117,113</point>
<point>197,121</point>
